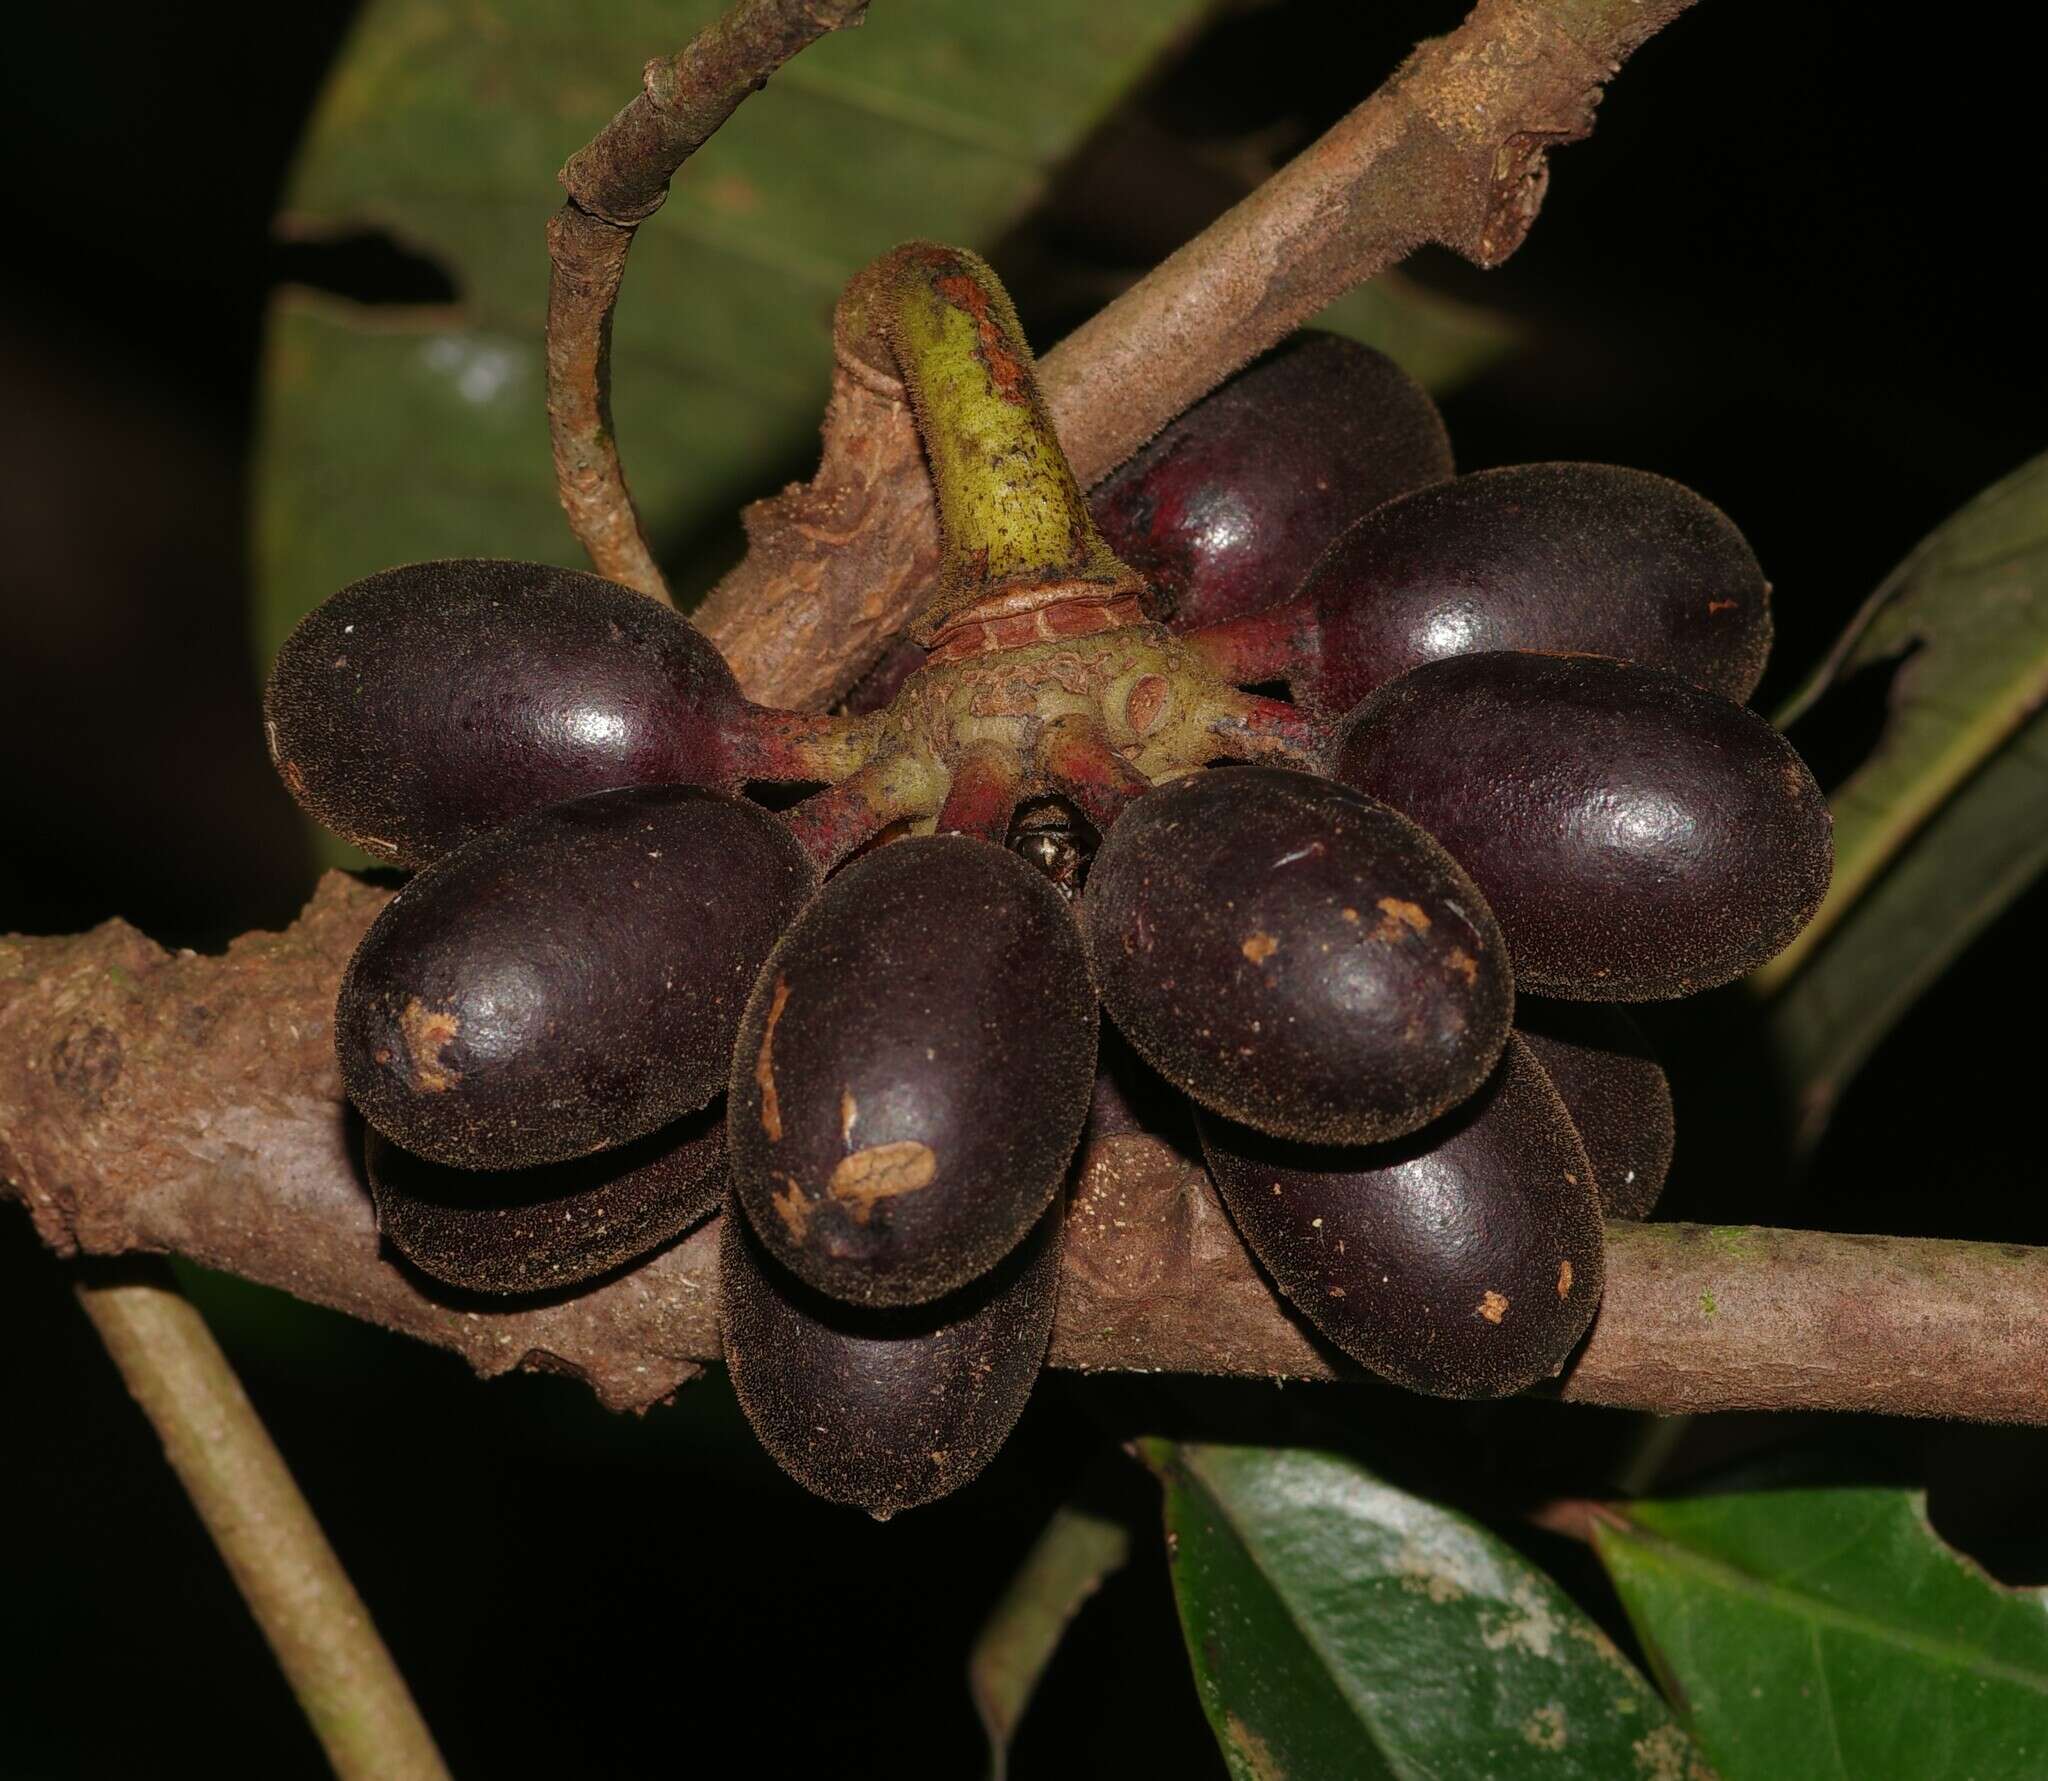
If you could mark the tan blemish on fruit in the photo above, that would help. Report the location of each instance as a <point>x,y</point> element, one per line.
<point>1399,919</point>
<point>881,1172</point>
<point>793,1206</point>
<point>1493,1307</point>
<point>1722,605</point>
<point>1464,964</point>
<point>849,1116</point>
<point>1350,915</point>
<point>1545,1728</point>
<point>288,771</point>
<point>428,1032</point>
<point>764,1066</point>
<point>1259,948</point>
<point>1564,1280</point>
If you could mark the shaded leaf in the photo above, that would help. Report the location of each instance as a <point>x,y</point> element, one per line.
<point>1947,821</point>
<point>1066,1565</point>
<point>1821,1634</point>
<point>1341,1628</point>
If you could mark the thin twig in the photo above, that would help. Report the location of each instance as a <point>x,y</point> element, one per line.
<point>1451,149</point>
<point>309,1612</point>
<point>159,1102</point>
<point>615,184</point>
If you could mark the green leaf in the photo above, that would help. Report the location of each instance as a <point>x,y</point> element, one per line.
<point>1339,1627</point>
<point>1822,1634</point>
<point>1065,1566</point>
<point>1947,821</point>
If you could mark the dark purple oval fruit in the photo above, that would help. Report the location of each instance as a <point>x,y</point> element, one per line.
<point>425,705</point>
<point>884,1408</point>
<point>1465,1261</point>
<point>1224,512</point>
<point>1584,557</point>
<point>1615,1090</point>
<point>570,981</point>
<point>913,1071</point>
<point>1637,837</point>
<point>1296,955</point>
<point>538,1230</point>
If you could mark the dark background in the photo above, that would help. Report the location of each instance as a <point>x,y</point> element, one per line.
<point>1789,270</point>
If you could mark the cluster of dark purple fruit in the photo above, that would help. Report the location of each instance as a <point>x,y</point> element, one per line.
<point>1514,758</point>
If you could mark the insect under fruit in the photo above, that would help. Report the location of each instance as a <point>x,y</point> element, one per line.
<point>1295,931</point>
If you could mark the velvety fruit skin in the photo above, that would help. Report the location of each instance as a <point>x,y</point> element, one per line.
<point>1637,837</point>
<point>884,1408</point>
<point>428,704</point>
<point>1615,1090</point>
<point>1224,512</point>
<point>570,981</point>
<point>1465,1261</point>
<point>538,1230</point>
<point>1539,556</point>
<point>1295,955</point>
<point>913,1071</point>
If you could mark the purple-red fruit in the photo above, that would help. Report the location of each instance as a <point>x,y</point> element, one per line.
<point>1224,512</point>
<point>1573,557</point>
<point>1296,955</point>
<point>1613,1087</point>
<point>570,981</point>
<point>884,1408</point>
<point>913,1071</point>
<point>1465,1261</point>
<point>538,1230</point>
<point>1637,836</point>
<point>425,705</point>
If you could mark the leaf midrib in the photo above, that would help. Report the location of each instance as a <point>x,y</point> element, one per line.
<point>1735,1581</point>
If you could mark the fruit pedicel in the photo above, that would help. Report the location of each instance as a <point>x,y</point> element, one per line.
<point>1511,762</point>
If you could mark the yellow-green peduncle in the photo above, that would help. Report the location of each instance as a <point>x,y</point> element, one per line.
<point>1011,516</point>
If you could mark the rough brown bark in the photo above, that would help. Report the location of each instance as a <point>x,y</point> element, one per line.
<point>1450,150</point>
<point>152,1101</point>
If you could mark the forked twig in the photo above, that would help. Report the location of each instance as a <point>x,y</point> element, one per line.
<point>1451,149</point>
<point>615,184</point>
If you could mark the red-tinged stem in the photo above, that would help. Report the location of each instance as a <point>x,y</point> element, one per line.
<point>1084,767</point>
<point>1249,728</point>
<point>1280,643</point>
<point>983,795</point>
<point>781,746</point>
<point>830,824</point>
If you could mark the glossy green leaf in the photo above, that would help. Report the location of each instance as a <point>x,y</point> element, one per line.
<point>1341,1628</point>
<point>1948,820</point>
<point>1066,1565</point>
<point>1830,1635</point>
